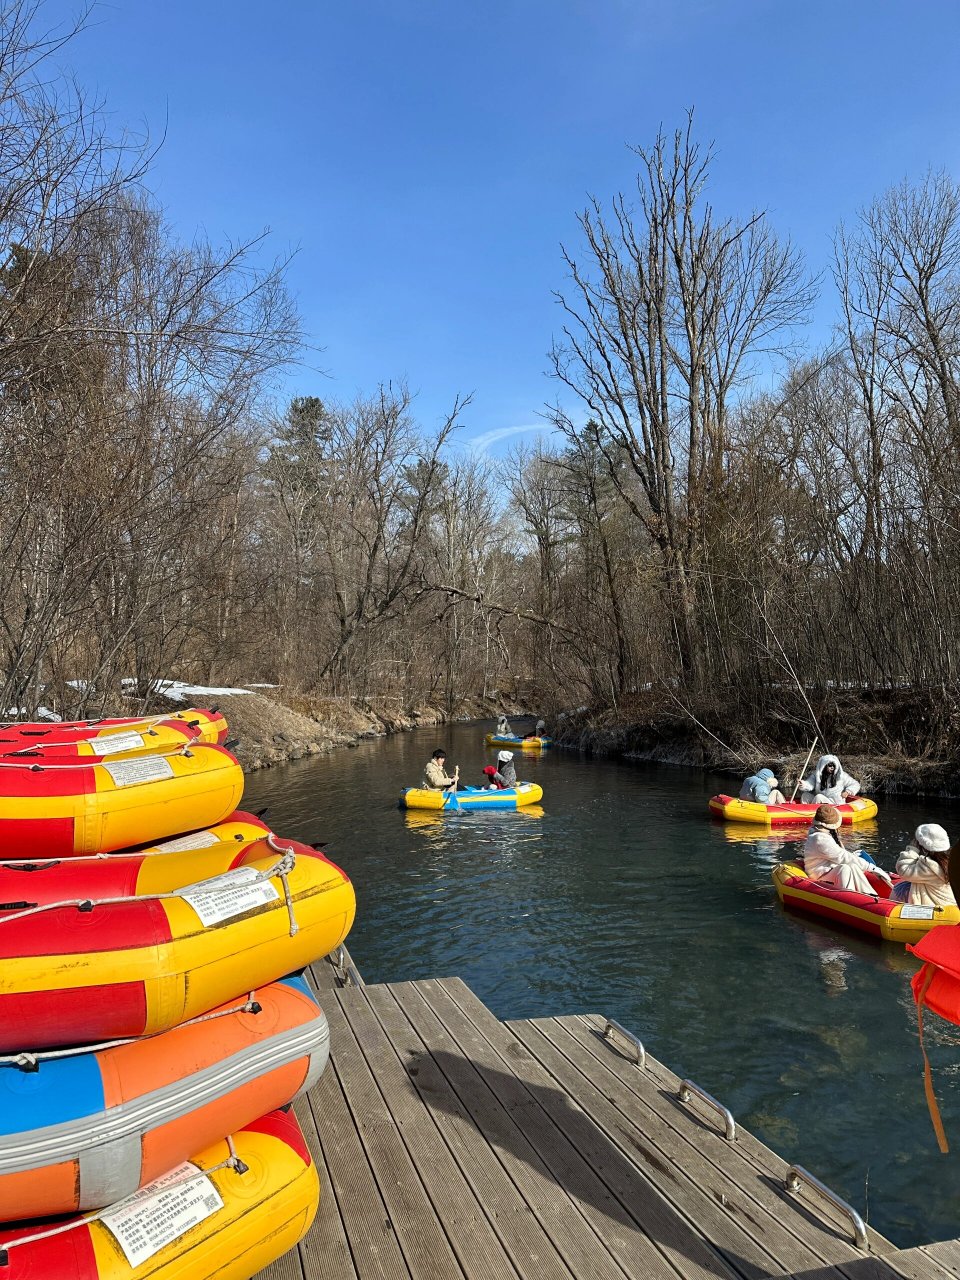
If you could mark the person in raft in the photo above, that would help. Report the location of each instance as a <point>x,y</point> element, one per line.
<point>924,869</point>
<point>762,788</point>
<point>506,769</point>
<point>493,781</point>
<point>827,860</point>
<point>435,775</point>
<point>541,729</point>
<point>828,784</point>
<point>503,725</point>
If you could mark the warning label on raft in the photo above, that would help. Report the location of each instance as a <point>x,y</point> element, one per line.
<point>127,773</point>
<point>111,743</point>
<point>229,895</point>
<point>198,840</point>
<point>908,912</point>
<point>161,1212</point>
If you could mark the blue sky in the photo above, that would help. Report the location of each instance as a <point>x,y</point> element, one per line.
<point>426,157</point>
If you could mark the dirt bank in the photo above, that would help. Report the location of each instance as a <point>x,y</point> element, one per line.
<point>265,731</point>
<point>887,741</point>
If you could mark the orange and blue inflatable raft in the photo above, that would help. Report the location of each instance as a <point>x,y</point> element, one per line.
<point>880,916</point>
<point>79,1132</point>
<point>227,1213</point>
<point>789,813</point>
<point>83,971</point>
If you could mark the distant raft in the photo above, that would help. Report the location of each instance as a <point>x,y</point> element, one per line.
<point>471,798</point>
<point>88,970</point>
<point>81,1132</point>
<point>790,813</point>
<point>59,810</point>
<point>880,916</point>
<point>228,1213</point>
<point>513,740</point>
<point>209,726</point>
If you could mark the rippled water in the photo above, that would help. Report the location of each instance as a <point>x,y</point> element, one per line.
<point>621,897</point>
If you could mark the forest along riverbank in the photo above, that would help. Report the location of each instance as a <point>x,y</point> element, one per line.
<point>265,731</point>
<point>620,896</point>
<point>897,742</point>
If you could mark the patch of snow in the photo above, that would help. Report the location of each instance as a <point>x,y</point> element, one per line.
<point>180,692</point>
<point>43,713</point>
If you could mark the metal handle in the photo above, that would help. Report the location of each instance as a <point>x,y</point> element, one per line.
<point>797,1176</point>
<point>613,1027</point>
<point>688,1089</point>
<point>345,969</point>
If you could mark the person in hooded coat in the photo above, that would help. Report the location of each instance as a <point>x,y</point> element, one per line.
<point>828,784</point>
<point>492,780</point>
<point>828,861</point>
<point>503,725</point>
<point>506,768</point>
<point>924,869</point>
<point>762,788</point>
<point>541,728</point>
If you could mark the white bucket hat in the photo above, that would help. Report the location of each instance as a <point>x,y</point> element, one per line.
<point>932,838</point>
<point>505,756</point>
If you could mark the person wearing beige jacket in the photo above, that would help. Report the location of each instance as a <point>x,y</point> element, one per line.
<point>923,868</point>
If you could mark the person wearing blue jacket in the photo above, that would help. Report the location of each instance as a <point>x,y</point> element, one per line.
<point>762,788</point>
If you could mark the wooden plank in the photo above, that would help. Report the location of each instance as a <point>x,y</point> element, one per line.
<point>556,1211</point>
<point>375,1252</point>
<point>324,1251</point>
<point>646,1236</point>
<point>471,1236</point>
<point>945,1254</point>
<point>521,1233</point>
<point>723,1209</point>
<point>818,1214</point>
<point>424,1244</point>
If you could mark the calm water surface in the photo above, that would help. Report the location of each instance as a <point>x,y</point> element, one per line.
<point>621,897</point>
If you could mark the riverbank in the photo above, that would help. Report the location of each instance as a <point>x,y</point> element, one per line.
<point>265,730</point>
<point>885,740</point>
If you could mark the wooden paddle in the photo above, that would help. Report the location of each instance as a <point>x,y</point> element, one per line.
<point>803,770</point>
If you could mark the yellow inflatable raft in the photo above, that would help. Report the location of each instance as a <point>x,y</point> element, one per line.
<point>225,1215</point>
<point>790,813</point>
<point>60,810</point>
<point>471,798</point>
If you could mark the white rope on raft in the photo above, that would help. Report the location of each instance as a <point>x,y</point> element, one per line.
<point>280,869</point>
<point>31,1061</point>
<point>41,863</point>
<point>232,1161</point>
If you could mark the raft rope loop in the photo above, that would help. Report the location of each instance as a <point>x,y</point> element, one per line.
<point>280,869</point>
<point>97,762</point>
<point>30,1062</point>
<point>232,1161</point>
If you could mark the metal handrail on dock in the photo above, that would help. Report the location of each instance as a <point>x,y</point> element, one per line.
<point>614,1028</point>
<point>795,1179</point>
<point>688,1089</point>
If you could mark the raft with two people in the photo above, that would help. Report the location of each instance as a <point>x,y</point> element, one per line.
<point>761,801</point>
<point>149,1013</point>
<point>471,798</point>
<point>536,742</point>
<point>846,887</point>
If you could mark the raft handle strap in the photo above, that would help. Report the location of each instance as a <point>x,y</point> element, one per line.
<point>29,1062</point>
<point>797,1176</point>
<point>284,867</point>
<point>688,1089</point>
<point>614,1028</point>
<point>932,1105</point>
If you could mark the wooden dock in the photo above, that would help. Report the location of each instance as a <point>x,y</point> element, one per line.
<point>452,1146</point>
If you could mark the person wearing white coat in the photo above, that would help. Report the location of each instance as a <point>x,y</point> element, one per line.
<point>828,784</point>
<point>827,860</point>
<point>923,868</point>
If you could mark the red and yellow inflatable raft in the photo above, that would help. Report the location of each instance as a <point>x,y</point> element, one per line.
<point>787,814</point>
<point>59,810</point>
<point>93,970</point>
<point>879,916</point>
<point>227,1214</point>
<point>192,724</point>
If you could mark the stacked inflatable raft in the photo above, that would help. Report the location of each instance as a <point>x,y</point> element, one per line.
<point>153,1028</point>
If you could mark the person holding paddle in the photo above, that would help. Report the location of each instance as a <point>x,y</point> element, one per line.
<point>435,776</point>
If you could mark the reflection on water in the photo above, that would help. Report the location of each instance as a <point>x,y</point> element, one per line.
<point>619,895</point>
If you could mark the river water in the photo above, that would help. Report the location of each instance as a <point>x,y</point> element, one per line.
<point>620,896</point>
